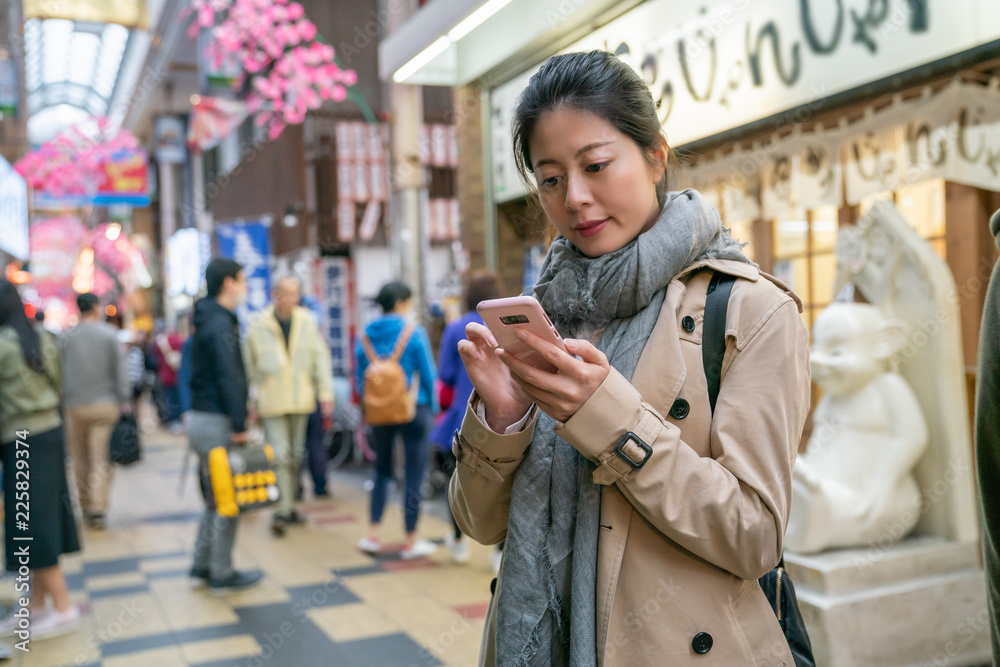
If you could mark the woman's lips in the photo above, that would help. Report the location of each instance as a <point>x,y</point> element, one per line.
<point>588,229</point>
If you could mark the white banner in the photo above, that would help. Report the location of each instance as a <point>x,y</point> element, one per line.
<point>952,135</point>
<point>13,212</point>
<point>976,137</point>
<point>820,175</point>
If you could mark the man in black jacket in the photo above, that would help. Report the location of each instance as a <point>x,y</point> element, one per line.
<point>988,439</point>
<point>218,416</point>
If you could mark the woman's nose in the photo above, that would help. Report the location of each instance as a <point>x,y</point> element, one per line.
<point>577,193</point>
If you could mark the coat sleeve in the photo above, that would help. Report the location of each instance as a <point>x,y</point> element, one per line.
<point>449,360</point>
<point>731,508</point>
<point>322,364</point>
<point>479,493</point>
<point>360,366</point>
<point>988,447</point>
<point>123,387</point>
<point>425,364</point>
<point>230,375</point>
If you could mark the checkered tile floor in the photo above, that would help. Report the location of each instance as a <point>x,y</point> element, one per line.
<point>322,601</point>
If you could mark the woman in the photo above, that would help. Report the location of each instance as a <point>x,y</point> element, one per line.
<point>383,334</point>
<point>37,504</point>
<point>482,287</point>
<point>636,525</point>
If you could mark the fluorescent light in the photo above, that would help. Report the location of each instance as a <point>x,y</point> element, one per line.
<point>439,46</point>
<point>476,18</point>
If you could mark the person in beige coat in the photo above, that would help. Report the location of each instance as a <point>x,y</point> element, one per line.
<point>636,525</point>
<point>288,366</point>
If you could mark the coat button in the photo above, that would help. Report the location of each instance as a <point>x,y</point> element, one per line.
<point>493,586</point>
<point>680,409</point>
<point>688,323</point>
<point>702,643</point>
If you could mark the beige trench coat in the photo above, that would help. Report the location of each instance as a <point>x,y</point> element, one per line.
<point>684,539</point>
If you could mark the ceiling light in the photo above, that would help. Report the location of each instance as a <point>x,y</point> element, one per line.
<point>439,46</point>
<point>476,18</point>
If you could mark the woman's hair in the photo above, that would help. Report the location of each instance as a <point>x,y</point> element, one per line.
<point>12,314</point>
<point>391,294</point>
<point>596,82</point>
<point>483,285</point>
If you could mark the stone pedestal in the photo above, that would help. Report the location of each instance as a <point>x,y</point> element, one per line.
<point>920,602</point>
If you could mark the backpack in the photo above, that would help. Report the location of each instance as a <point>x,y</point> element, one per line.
<point>387,401</point>
<point>777,585</point>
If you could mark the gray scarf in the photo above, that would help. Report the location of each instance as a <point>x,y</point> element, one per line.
<point>546,604</point>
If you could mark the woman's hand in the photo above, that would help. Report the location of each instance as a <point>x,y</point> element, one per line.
<point>562,393</point>
<point>504,399</point>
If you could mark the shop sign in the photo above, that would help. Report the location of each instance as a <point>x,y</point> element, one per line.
<point>169,132</point>
<point>13,212</point>
<point>188,253</point>
<point>249,243</point>
<point>124,180</point>
<point>952,135</point>
<point>715,66</point>
<point>8,87</point>
<point>335,318</point>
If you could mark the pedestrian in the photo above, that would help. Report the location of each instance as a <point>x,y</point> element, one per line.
<point>34,471</point>
<point>184,376</point>
<point>317,455</point>
<point>289,366</point>
<point>988,439</point>
<point>636,524</point>
<point>454,378</point>
<point>96,391</point>
<point>385,335</point>
<point>218,417</point>
<point>167,352</point>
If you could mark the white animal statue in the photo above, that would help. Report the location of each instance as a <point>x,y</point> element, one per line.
<point>854,486</point>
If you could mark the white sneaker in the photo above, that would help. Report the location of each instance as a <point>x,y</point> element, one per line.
<point>459,548</point>
<point>369,546</point>
<point>419,549</point>
<point>496,557</point>
<point>11,624</point>
<point>56,623</point>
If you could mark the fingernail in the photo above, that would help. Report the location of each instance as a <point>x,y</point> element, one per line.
<point>571,343</point>
<point>493,341</point>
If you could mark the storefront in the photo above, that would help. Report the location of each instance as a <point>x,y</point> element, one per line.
<point>791,116</point>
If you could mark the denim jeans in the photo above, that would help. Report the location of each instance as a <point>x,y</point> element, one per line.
<point>415,445</point>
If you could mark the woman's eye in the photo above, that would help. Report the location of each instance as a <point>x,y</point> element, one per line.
<point>550,182</point>
<point>597,166</point>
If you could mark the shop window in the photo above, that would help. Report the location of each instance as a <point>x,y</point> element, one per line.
<point>922,206</point>
<point>804,257</point>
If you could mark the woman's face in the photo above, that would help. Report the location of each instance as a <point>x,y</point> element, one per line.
<point>594,183</point>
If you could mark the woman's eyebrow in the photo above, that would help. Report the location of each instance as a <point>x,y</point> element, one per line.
<point>588,147</point>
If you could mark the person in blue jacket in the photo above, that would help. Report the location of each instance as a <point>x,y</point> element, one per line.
<point>395,301</point>
<point>482,286</point>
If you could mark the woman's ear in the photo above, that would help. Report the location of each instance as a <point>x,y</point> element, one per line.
<point>658,160</point>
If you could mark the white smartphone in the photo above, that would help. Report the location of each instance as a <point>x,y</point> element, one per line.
<point>504,317</point>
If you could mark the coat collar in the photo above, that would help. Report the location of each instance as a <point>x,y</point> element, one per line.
<point>728,266</point>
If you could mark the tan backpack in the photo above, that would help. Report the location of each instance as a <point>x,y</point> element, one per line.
<point>387,401</point>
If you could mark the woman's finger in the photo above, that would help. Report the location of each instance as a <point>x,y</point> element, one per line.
<point>469,349</point>
<point>586,351</point>
<point>477,332</point>
<point>536,377</point>
<point>554,354</point>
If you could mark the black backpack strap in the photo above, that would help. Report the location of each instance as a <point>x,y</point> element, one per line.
<point>713,335</point>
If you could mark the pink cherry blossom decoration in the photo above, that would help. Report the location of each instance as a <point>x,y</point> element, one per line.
<point>288,70</point>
